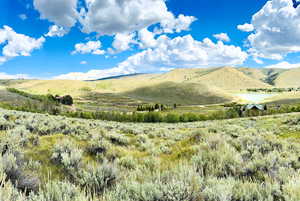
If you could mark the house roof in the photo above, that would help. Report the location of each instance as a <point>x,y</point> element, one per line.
<point>253,106</point>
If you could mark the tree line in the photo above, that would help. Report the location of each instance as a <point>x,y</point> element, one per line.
<point>151,117</point>
<point>274,90</point>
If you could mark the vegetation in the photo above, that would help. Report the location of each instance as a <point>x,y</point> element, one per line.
<point>154,107</point>
<point>49,98</point>
<point>274,90</point>
<point>55,158</point>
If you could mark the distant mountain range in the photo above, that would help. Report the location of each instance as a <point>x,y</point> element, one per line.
<point>183,86</point>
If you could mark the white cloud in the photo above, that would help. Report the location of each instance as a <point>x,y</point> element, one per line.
<point>115,16</point>
<point>171,53</point>
<point>83,62</point>
<point>122,42</point>
<point>246,27</point>
<point>222,37</point>
<point>165,69</point>
<point>61,12</point>
<point>284,65</point>
<point>94,74</point>
<point>5,76</point>
<point>146,38</point>
<point>182,23</point>
<point>185,52</point>
<point>56,31</point>
<point>17,44</point>
<point>23,17</point>
<point>276,30</point>
<point>91,47</point>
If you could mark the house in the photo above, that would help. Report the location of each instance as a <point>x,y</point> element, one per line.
<point>253,109</point>
<point>257,107</point>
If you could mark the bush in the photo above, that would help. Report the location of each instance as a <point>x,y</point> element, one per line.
<point>99,178</point>
<point>59,191</point>
<point>67,154</point>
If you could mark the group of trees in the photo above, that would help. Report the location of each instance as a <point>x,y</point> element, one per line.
<point>274,90</point>
<point>153,117</point>
<point>65,100</point>
<point>51,104</point>
<point>154,107</point>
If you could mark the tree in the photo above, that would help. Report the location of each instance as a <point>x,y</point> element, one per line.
<point>67,100</point>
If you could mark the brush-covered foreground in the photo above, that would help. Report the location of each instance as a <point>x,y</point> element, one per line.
<point>51,158</point>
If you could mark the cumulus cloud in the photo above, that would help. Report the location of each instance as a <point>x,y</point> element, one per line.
<point>56,31</point>
<point>122,42</point>
<point>112,17</point>
<point>5,76</point>
<point>284,65</point>
<point>91,47</point>
<point>185,52</point>
<point>115,16</point>
<point>276,30</point>
<point>246,27</point>
<point>83,62</point>
<point>172,53</point>
<point>146,38</point>
<point>61,12</point>
<point>17,44</point>
<point>172,24</point>
<point>222,36</point>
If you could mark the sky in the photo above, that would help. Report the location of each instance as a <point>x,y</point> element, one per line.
<point>92,39</point>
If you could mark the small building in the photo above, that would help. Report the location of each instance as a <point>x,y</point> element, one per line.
<point>257,107</point>
<point>253,109</point>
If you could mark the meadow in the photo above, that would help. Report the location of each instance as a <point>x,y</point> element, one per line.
<point>55,158</point>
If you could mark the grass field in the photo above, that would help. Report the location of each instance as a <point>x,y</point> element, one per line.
<point>241,159</point>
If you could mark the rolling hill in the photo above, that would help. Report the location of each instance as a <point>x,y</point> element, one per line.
<point>229,78</point>
<point>185,86</point>
<point>289,78</point>
<point>181,93</point>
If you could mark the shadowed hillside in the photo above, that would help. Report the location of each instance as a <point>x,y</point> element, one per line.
<point>289,78</point>
<point>181,93</point>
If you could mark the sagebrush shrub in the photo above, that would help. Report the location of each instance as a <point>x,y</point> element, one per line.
<point>99,178</point>
<point>67,154</point>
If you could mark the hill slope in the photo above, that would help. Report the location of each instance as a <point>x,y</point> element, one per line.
<point>181,93</point>
<point>228,78</point>
<point>289,78</point>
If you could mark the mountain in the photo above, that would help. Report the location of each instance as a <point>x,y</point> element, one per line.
<point>254,73</point>
<point>229,78</point>
<point>185,86</point>
<point>288,78</point>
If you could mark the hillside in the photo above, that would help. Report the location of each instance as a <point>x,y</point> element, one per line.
<point>180,93</point>
<point>289,78</point>
<point>228,78</point>
<point>254,73</point>
<point>186,86</point>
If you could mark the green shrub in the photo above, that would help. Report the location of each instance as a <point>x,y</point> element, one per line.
<point>99,178</point>
<point>67,154</point>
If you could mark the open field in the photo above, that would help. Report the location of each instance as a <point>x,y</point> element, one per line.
<point>241,159</point>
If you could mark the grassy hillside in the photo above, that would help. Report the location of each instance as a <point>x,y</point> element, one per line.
<point>57,158</point>
<point>254,73</point>
<point>180,93</point>
<point>185,86</point>
<point>229,78</point>
<point>288,78</point>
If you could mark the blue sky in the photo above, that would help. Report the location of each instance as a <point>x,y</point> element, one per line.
<point>91,39</point>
